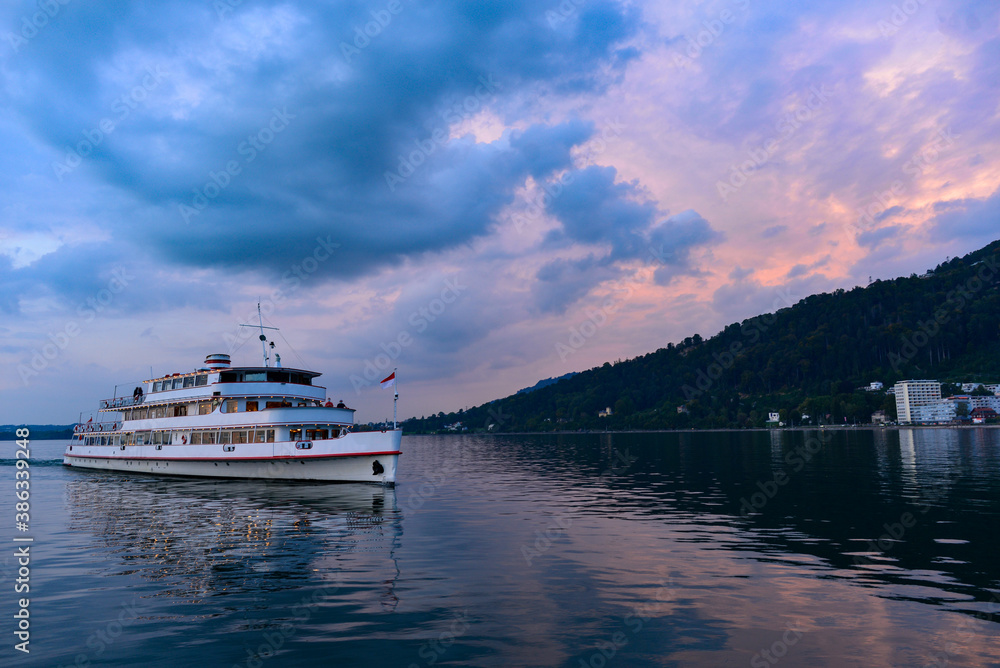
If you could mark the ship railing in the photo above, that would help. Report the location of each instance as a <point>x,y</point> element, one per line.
<point>122,402</point>
<point>89,427</point>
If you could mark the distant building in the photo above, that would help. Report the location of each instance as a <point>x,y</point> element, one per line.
<point>879,417</point>
<point>773,417</point>
<point>682,409</point>
<point>606,412</point>
<point>875,386</point>
<point>912,395</point>
<point>981,415</point>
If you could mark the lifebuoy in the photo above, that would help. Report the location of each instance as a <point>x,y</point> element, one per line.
<point>76,429</point>
<point>184,440</point>
<point>114,426</point>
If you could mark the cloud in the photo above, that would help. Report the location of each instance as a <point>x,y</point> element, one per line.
<point>673,240</point>
<point>976,219</point>
<point>874,238</point>
<point>240,140</point>
<point>594,209</point>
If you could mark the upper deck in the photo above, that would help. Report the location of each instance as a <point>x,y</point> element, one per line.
<point>222,381</point>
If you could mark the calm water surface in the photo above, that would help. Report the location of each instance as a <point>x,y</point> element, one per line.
<point>866,548</point>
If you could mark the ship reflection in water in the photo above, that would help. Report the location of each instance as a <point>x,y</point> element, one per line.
<point>198,539</point>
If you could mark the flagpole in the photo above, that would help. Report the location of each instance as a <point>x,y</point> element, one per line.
<point>395,399</point>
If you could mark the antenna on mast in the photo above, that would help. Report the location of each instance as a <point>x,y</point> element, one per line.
<point>263,339</point>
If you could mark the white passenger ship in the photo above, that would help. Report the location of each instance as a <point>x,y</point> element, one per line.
<point>235,422</point>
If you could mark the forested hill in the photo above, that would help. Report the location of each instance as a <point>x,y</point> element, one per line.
<point>807,359</point>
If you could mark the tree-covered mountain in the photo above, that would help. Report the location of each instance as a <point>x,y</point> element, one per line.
<point>808,359</point>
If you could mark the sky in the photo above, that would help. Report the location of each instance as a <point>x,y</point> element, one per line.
<point>478,194</point>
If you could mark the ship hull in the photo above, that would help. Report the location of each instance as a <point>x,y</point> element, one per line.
<point>358,457</point>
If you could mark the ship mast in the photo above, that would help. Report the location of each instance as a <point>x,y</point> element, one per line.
<point>263,339</point>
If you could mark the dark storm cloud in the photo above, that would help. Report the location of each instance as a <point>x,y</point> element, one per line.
<point>593,209</point>
<point>246,139</point>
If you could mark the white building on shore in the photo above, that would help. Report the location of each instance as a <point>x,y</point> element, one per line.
<point>912,395</point>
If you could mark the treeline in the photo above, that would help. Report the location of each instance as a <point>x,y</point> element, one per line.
<point>806,360</point>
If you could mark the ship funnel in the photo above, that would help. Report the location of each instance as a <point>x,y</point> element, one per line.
<point>217,361</point>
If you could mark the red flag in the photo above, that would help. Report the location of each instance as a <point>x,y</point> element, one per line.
<point>389,381</point>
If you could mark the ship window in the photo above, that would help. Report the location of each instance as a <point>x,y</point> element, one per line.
<point>208,438</point>
<point>178,383</point>
<point>239,436</point>
<point>201,379</point>
<point>142,438</point>
<point>227,377</point>
<point>189,381</point>
<point>274,404</point>
<point>232,405</point>
<point>258,436</point>
<point>255,377</point>
<point>223,437</point>
<point>251,406</point>
<point>196,438</point>
<point>270,436</point>
<point>277,376</point>
<point>156,386</point>
<point>158,412</point>
<point>294,434</point>
<point>180,411</point>
<point>204,407</point>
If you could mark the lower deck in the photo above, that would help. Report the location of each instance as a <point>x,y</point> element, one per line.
<point>357,457</point>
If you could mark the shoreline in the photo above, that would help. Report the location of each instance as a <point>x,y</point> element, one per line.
<point>712,430</point>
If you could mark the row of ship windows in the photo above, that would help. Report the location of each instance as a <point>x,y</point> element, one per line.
<point>223,436</point>
<point>232,377</point>
<point>184,438</point>
<point>179,383</point>
<point>204,408</point>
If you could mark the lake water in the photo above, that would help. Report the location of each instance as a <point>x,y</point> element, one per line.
<point>866,548</point>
